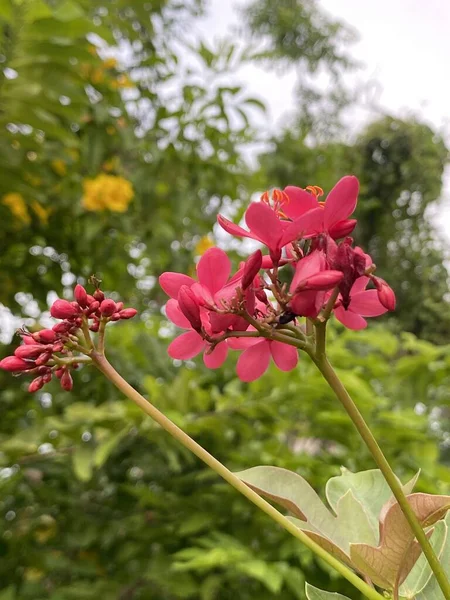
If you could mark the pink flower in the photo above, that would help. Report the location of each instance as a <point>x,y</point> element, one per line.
<point>310,280</point>
<point>386,294</point>
<point>62,309</point>
<point>265,226</point>
<point>333,218</point>
<point>255,359</point>
<point>363,303</point>
<point>15,364</point>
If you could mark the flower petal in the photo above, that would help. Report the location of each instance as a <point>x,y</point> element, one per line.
<point>300,201</point>
<point>350,319</point>
<point>213,269</point>
<point>341,201</point>
<point>217,357</point>
<point>264,223</point>
<point>254,361</point>
<point>171,282</point>
<point>242,343</point>
<point>175,315</point>
<point>186,346</point>
<point>359,285</point>
<point>234,229</point>
<point>366,304</point>
<point>309,224</point>
<point>306,267</point>
<point>284,356</point>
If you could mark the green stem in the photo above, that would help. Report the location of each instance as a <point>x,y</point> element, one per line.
<point>333,380</point>
<point>108,370</point>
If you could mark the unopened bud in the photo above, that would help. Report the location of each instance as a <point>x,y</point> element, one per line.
<point>262,296</point>
<point>59,372</point>
<point>93,307</point>
<point>115,317</point>
<point>45,336</point>
<point>61,327</point>
<point>43,358</point>
<point>66,381</point>
<point>119,306</point>
<point>36,384</point>
<point>62,309</point>
<point>189,307</point>
<point>386,294</point>
<point>128,313</point>
<point>14,363</point>
<point>108,307</point>
<point>80,295</point>
<point>89,299</point>
<point>47,377</point>
<point>94,326</point>
<point>58,347</point>
<point>342,228</point>
<point>28,351</point>
<point>28,340</point>
<point>99,295</point>
<point>325,280</point>
<point>251,269</point>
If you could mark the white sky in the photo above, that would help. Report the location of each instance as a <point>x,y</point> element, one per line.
<point>404,46</point>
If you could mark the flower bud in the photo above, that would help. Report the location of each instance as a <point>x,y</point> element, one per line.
<point>342,228</point>
<point>59,372</point>
<point>262,296</point>
<point>30,352</point>
<point>47,377</point>
<point>89,299</point>
<point>94,326</point>
<point>119,306</point>
<point>108,307</point>
<point>36,384</point>
<point>43,358</point>
<point>62,309</point>
<point>99,295</point>
<point>115,317</point>
<point>386,294</point>
<point>58,347</point>
<point>66,381</point>
<point>61,327</point>
<point>189,307</point>
<point>45,336</point>
<point>28,340</point>
<point>93,307</point>
<point>14,363</point>
<point>251,269</point>
<point>128,313</point>
<point>80,295</point>
<point>324,280</point>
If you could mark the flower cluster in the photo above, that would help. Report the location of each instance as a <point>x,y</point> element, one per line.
<point>57,351</point>
<point>251,310</point>
<point>107,192</point>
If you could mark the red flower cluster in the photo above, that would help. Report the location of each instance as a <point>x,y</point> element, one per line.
<point>327,275</point>
<point>55,352</point>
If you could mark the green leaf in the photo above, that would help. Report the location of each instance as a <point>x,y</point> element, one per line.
<point>263,572</point>
<point>68,11</point>
<point>6,11</point>
<point>421,572</point>
<point>313,593</point>
<point>82,462</point>
<point>432,591</point>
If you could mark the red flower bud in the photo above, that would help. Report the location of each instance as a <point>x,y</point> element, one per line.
<point>28,351</point>
<point>324,280</point>
<point>59,372</point>
<point>14,363</point>
<point>61,327</point>
<point>386,294</point>
<point>262,296</point>
<point>47,377</point>
<point>45,336</point>
<point>342,228</point>
<point>36,384</point>
<point>58,347</point>
<point>66,381</point>
<point>189,307</point>
<point>80,295</point>
<point>43,358</point>
<point>93,307</point>
<point>128,313</point>
<point>108,307</point>
<point>62,309</point>
<point>94,326</point>
<point>89,299</point>
<point>251,269</point>
<point>119,306</point>
<point>115,317</point>
<point>28,340</point>
<point>99,295</point>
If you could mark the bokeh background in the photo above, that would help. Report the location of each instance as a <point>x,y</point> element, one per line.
<point>125,126</point>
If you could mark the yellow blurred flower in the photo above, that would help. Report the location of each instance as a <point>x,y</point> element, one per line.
<point>41,212</point>
<point>112,164</point>
<point>97,75</point>
<point>33,575</point>
<point>107,192</point>
<point>204,244</point>
<point>122,81</point>
<point>110,63</point>
<point>59,166</point>
<point>110,130</point>
<point>17,206</point>
<point>33,180</point>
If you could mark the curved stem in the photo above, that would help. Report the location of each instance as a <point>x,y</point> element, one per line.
<point>334,382</point>
<point>108,370</point>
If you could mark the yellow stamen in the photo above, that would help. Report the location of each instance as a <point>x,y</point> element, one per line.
<point>315,190</point>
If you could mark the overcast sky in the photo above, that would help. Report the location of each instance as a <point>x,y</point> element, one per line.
<point>404,46</point>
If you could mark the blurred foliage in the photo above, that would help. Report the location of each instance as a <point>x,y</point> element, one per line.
<point>96,501</point>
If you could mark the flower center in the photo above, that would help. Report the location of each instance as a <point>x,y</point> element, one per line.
<point>276,201</point>
<point>315,190</point>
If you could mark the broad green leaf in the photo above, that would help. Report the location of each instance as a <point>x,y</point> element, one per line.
<point>37,9</point>
<point>421,572</point>
<point>6,11</point>
<point>389,564</point>
<point>82,462</point>
<point>263,572</point>
<point>68,11</point>
<point>369,487</point>
<point>313,593</point>
<point>432,591</point>
<point>333,532</point>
